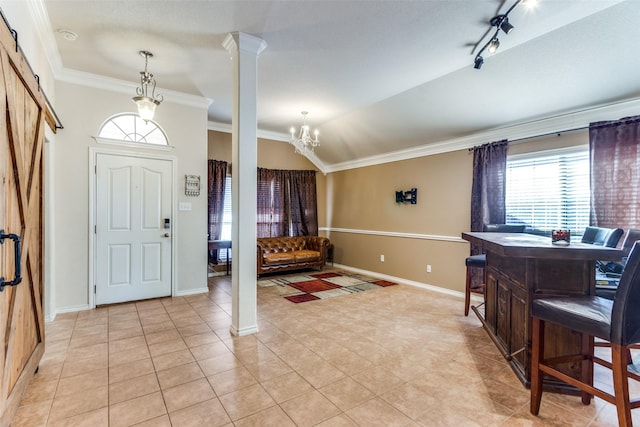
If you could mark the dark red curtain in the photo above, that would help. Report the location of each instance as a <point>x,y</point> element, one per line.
<point>215,192</point>
<point>615,173</point>
<point>273,203</point>
<point>488,191</point>
<point>304,207</point>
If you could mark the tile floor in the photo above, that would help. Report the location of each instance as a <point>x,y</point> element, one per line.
<point>397,356</point>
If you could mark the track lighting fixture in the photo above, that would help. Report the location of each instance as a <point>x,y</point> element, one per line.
<point>500,22</point>
<point>478,62</point>
<point>493,45</point>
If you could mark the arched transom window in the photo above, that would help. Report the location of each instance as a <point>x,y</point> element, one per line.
<point>130,127</point>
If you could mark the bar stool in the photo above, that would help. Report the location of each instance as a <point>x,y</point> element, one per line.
<point>617,322</point>
<point>480,261</point>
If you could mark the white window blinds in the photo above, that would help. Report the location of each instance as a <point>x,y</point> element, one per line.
<point>547,191</point>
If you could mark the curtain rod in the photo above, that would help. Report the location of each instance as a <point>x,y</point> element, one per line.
<point>524,138</point>
<point>594,125</point>
<point>14,34</point>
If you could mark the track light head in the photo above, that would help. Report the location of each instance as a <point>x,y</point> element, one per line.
<point>506,26</point>
<point>478,62</point>
<point>501,21</point>
<point>494,44</point>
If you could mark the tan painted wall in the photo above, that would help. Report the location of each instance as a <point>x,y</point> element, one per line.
<point>364,199</point>
<point>272,155</point>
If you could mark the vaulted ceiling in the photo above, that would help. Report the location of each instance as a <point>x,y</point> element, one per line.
<point>377,77</point>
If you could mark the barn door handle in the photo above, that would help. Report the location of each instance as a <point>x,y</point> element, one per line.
<point>16,246</point>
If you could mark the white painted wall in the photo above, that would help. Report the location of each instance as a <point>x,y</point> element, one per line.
<point>83,109</point>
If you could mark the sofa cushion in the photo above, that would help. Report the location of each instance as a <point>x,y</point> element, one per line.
<point>279,258</point>
<point>305,255</point>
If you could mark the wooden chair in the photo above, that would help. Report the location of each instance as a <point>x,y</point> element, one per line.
<point>480,261</point>
<point>617,322</point>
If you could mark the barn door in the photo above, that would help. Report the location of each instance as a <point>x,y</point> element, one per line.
<point>21,220</point>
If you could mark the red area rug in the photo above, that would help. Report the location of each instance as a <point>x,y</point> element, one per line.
<point>315,286</point>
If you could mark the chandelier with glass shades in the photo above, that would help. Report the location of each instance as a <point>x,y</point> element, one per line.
<point>303,143</point>
<point>146,102</point>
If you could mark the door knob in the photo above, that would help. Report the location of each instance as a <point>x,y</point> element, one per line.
<point>167,235</point>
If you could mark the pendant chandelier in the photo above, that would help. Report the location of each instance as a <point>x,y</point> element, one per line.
<point>303,143</point>
<point>146,102</point>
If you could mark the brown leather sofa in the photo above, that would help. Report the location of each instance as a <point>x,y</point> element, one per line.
<point>291,253</point>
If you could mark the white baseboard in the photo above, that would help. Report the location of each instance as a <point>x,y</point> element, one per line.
<point>191,292</point>
<point>244,331</point>
<point>434,288</point>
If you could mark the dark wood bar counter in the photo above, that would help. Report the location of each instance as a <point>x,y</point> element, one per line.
<point>521,267</point>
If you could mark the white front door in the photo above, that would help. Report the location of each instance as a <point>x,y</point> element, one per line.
<point>133,228</point>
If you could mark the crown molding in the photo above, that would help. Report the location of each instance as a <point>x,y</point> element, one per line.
<point>122,86</point>
<point>245,42</point>
<point>45,33</point>
<point>526,130</point>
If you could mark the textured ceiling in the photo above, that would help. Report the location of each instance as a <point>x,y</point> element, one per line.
<point>376,76</point>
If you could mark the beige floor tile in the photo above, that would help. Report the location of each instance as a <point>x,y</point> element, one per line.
<point>130,370</point>
<point>152,328</point>
<point>246,401</point>
<point>48,372</point>
<point>32,415</point>
<point>179,375</point>
<point>320,374</point>
<point>97,418</point>
<point>273,416</point>
<point>88,352</point>
<point>220,363</point>
<point>346,393</point>
<point>270,369</point>
<point>165,347</point>
<point>132,388</point>
<point>71,368</point>
<point>310,408</point>
<point>121,357</point>
<point>231,380</point>
<point>162,421</point>
<point>377,379</point>
<point>122,333</point>
<point>187,394</point>
<point>286,386</point>
<point>40,391</point>
<point>192,320</point>
<point>196,329</point>
<point>136,410</point>
<point>364,354</point>
<point>83,341</point>
<point>82,382</point>
<point>169,360</point>
<point>338,421</point>
<point>208,413</point>
<point>207,351</point>
<point>378,412</point>
<point>116,346</point>
<point>200,339</point>
<point>79,403</point>
<point>162,336</point>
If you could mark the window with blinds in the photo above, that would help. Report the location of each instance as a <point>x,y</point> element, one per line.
<point>549,190</point>
<point>227,217</point>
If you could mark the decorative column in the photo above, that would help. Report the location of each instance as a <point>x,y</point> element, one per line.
<point>244,50</point>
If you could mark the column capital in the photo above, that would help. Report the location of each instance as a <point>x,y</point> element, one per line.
<point>242,41</point>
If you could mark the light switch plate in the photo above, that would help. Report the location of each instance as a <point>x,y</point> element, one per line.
<point>184,206</point>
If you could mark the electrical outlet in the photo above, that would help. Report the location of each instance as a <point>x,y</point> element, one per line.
<point>381,258</point>
<point>428,268</point>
